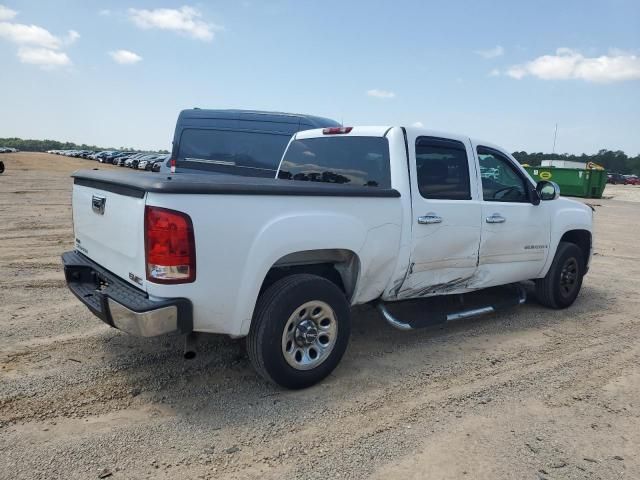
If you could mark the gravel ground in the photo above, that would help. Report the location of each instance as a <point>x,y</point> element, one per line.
<point>527,394</point>
<point>627,193</point>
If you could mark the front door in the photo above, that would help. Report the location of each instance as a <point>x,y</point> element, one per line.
<point>446,215</point>
<point>515,233</point>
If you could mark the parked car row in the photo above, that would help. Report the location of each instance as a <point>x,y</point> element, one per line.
<point>154,162</point>
<point>144,161</point>
<point>619,179</point>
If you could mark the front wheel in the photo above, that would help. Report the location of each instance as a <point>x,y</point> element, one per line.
<point>300,330</point>
<point>561,286</point>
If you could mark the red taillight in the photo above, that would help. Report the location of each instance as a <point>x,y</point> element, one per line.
<point>169,246</point>
<point>172,164</point>
<point>336,130</point>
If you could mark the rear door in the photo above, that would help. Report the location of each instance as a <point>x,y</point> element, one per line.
<point>446,214</point>
<point>109,229</point>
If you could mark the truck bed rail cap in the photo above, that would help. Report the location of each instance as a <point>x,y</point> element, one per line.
<point>137,183</point>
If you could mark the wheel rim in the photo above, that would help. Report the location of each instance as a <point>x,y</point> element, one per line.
<point>309,335</point>
<point>569,277</point>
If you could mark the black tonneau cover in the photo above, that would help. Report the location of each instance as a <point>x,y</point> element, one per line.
<point>136,184</point>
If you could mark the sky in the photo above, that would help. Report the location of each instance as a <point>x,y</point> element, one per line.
<point>117,73</point>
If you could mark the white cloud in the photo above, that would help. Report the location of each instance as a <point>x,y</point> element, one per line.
<point>34,35</point>
<point>104,12</point>
<point>494,73</point>
<point>29,35</point>
<point>380,93</point>
<point>185,20</point>
<point>71,37</point>
<point>417,124</point>
<point>517,72</point>
<point>570,64</point>
<point>37,45</point>
<point>125,57</point>
<point>6,13</point>
<point>43,57</point>
<point>494,52</point>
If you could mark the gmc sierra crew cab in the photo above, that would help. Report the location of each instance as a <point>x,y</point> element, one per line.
<point>427,226</point>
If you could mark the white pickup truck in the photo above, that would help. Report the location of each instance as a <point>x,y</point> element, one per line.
<point>400,217</point>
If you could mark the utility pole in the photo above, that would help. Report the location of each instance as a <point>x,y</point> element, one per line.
<point>555,136</point>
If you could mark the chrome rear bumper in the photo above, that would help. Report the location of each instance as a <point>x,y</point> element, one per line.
<point>121,305</point>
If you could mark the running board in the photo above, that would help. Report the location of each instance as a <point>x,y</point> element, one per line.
<point>433,311</point>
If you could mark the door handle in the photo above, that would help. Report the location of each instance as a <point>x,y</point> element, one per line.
<point>429,218</point>
<point>496,218</point>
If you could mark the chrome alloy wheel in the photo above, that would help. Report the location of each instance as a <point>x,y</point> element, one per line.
<point>309,335</point>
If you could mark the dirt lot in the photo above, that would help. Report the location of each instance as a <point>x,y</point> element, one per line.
<point>526,394</point>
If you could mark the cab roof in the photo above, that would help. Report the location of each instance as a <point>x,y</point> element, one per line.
<point>365,131</point>
<point>381,131</point>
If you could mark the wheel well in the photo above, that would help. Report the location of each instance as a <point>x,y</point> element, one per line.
<point>581,238</point>
<point>336,265</point>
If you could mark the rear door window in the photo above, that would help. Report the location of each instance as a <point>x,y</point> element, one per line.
<point>360,161</point>
<point>443,169</point>
<point>228,151</point>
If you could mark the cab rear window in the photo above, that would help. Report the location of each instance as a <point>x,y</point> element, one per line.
<point>360,161</point>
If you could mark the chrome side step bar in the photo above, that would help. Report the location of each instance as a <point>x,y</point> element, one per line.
<point>391,320</point>
<point>442,317</point>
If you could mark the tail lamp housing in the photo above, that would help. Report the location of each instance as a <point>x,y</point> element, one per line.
<point>170,249</point>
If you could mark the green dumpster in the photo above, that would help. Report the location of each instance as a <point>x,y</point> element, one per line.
<point>573,182</point>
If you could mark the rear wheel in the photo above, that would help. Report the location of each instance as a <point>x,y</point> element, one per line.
<point>299,331</point>
<point>1,167</point>
<point>561,286</point>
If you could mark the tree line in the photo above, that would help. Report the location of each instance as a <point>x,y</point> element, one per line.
<point>28,145</point>
<point>613,161</point>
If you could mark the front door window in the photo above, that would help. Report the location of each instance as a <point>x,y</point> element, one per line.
<point>501,182</point>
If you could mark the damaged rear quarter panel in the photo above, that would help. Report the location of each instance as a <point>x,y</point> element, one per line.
<point>377,265</point>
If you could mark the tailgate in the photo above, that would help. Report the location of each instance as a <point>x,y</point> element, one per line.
<point>109,229</point>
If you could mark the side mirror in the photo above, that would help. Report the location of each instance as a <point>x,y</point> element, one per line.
<point>548,190</point>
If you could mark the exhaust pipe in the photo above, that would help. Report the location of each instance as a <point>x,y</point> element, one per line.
<point>190,341</point>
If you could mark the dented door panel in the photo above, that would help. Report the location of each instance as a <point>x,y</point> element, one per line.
<point>445,228</point>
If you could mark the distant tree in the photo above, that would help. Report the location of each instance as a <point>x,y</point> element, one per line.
<point>613,161</point>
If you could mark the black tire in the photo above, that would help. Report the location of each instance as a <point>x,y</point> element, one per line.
<point>1,167</point>
<point>275,309</point>
<point>561,286</point>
